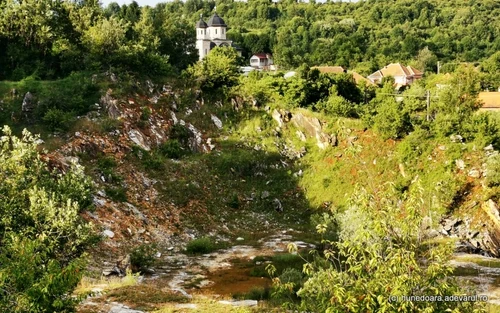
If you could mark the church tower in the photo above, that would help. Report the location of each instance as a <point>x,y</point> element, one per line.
<point>212,34</point>
<point>202,38</point>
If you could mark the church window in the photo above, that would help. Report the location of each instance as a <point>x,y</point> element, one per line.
<point>216,31</point>
<point>223,31</point>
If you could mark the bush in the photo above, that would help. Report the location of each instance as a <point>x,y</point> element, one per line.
<point>145,114</point>
<point>172,149</point>
<point>143,257</point>
<point>493,171</point>
<point>391,121</point>
<point>180,133</point>
<point>200,246</point>
<point>413,146</point>
<point>117,194</point>
<point>293,276</point>
<point>43,236</point>
<point>57,120</point>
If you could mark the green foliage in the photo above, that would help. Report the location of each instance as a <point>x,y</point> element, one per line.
<point>218,70</point>
<point>200,246</point>
<point>145,113</point>
<point>391,121</point>
<point>116,193</point>
<point>172,149</point>
<point>414,145</point>
<point>493,170</point>
<point>43,237</point>
<point>378,258</point>
<point>57,120</point>
<point>143,257</point>
<point>180,133</point>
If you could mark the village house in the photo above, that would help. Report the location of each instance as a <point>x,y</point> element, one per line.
<point>212,34</point>
<point>262,61</point>
<point>490,101</point>
<point>403,75</point>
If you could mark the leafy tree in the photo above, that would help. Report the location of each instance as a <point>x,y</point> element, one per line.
<point>43,238</point>
<point>218,70</point>
<point>381,256</point>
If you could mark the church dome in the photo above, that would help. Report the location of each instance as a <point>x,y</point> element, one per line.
<point>201,24</point>
<point>216,20</point>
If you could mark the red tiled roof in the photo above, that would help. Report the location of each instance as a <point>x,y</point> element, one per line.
<point>262,55</point>
<point>489,99</point>
<point>330,69</point>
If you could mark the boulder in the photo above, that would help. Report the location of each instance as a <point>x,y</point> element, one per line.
<point>28,102</point>
<point>277,117</point>
<point>474,173</point>
<point>456,138</point>
<point>240,303</point>
<point>139,139</point>
<point>277,205</point>
<point>311,127</point>
<point>301,135</point>
<point>265,194</point>
<point>110,104</point>
<point>460,164</point>
<point>108,233</point>
<point>216,121</point>
<point>120,308</point>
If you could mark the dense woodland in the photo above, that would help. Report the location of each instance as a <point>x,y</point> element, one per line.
<point>53,38</point>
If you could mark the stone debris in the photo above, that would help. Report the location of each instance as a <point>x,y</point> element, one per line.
<point>28,102</point>
<point>216,121</point>
<point>108,233</point>
<point>120,308</point>
<point>240,303</point>
<point>139,139</point>
<point>186,306</point>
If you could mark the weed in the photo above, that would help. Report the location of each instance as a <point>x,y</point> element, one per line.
<point>200,246</point>
<point>172,149</point>
<point>117,194</point>
<point>143,257</point>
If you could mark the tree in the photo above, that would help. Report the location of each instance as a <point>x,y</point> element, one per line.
<point>43,238</point>
<point>380,258</point>
<point>218,70</point>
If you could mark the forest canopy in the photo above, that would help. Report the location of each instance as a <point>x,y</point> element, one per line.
<point>53,38</point>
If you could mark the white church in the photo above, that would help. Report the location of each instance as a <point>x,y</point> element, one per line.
<point>212,34</point>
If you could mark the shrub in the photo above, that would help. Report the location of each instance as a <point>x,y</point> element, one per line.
<point>413,146</point>
<point>256,293</point>
<point>172,149</point>
<point>381,256</point>
<point>109,124</point>
<point>493,170</point>
<point>152,160</point>
<point>180,133</point>
<point>293,276</point>
<point>234,202</point>
<point>145,114</point>
<point>118,194</point>
<point>43,236</point>
<point>57,120</point>
<point>391,121</point>
<point>200,246</point>
<point>143,257</point>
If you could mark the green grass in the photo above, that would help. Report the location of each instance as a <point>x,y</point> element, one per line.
<point>201,246</point>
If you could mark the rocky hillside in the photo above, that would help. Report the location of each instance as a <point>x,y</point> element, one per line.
<point>171,165</point>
